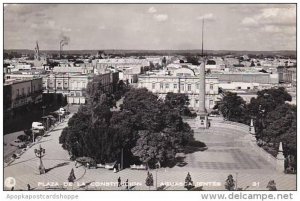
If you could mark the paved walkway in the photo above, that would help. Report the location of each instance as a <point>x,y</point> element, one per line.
<point>227,153</point>
<point>56,162</point>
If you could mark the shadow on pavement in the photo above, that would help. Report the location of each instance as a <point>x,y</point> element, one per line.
<point>21,162</point>
<point>85,185</point>
<point>42,141</point>
<point>57,166</point>
<point>57,129</point>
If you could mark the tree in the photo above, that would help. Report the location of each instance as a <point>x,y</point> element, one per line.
<point>179,102</point>
<point>272,186</point>
<point>230,183</point>
<point>153,147</point>
<point>72,177</point>
<point>281,126</point>
<point>193,60</point>
<point>232,107</point>
<point>164,61</point>
<point>188,183</point>
<point>149,180</point>
<point>97,132</point>
<point>266,101</point>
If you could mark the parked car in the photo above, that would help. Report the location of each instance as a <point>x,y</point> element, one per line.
<point>37,125</point>
<point>17,143</point>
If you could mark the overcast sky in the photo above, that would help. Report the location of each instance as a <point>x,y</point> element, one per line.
<point>151,26</point>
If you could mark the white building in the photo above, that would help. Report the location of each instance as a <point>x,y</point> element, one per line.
<point>182,80</point>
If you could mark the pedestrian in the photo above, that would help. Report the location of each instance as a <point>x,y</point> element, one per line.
<point>127,184</point>
<point>119,181</point>
<point>28,187</point>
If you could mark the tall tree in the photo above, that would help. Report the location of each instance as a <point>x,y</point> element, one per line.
<point>232,107</point>
<point>149,180</point>
<point>179,102</point>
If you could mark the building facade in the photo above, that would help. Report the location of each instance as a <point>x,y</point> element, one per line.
<point>71,85</point>
<point>74,85</point>
<point>182,81</point>
<point>20,93</point>
<point>249,77</point>
<point>287,74</point>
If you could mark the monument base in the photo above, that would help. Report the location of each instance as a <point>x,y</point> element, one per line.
<point>204,122</point>
<point>280,163</point>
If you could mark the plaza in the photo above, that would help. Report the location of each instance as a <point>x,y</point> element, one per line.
<point>229,152</point>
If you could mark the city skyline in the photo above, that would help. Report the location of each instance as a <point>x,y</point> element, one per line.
<point>151,26</point>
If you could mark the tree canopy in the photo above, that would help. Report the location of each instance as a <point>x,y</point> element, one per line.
<point>146,129</point>
<point>232,107</point>
<point>179,102</point>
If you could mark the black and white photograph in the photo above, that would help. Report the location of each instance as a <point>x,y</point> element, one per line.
<point>149,97</point>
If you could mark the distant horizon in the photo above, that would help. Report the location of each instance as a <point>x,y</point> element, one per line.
<point>8,49</point>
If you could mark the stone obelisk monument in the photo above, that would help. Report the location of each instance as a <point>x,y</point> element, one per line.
<point>202,110</point>
<point>280,159</point>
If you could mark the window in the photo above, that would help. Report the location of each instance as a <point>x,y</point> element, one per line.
<point>182,87</point>
<point>153,85</point>
<point>197,86</point>
<point>189,87</point>
<point>248,87</point>
<point>211,102</point>
<point>175,86</point>
<point>18,92</point>
<point>239,87</point>
<point>211,86</point>
<point>167,86</point>
<point>161,85</point>
<point>197,101</point>
<point>33,88</point>
<point>23,91</point>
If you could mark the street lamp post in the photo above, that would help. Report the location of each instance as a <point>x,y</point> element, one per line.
<point>40,153</point>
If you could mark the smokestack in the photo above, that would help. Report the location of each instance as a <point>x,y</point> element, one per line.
<point>64,41</point>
